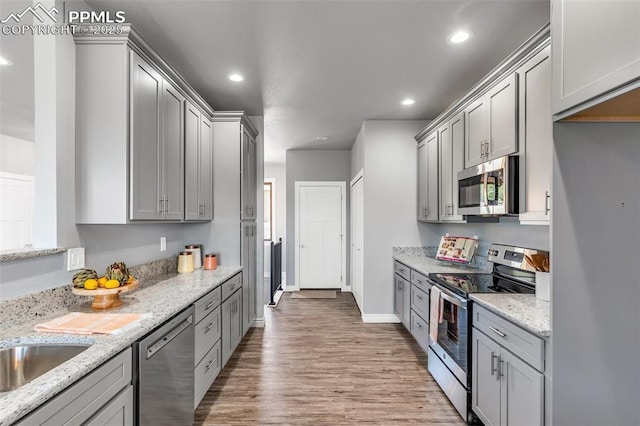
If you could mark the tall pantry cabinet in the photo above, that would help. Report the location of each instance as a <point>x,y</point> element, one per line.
<point>235,201</point>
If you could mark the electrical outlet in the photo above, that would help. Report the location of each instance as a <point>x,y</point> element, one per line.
<point>75,258</point>
<point>163,243</point>
<point>446,235</point>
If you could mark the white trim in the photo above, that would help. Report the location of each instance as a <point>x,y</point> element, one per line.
<point>258,323</point>
<point>357,177</point>
<point>380,318</point>
<point>16,176</point>
<point>272,181</point>
<point>343,187</point>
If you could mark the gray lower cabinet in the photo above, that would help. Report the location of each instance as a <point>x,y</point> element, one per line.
<point>103,397</point>
<point>248,275</point>
<point>596,53</point>
<point>506,390</point>
<point>208,330</point>
<point>402,301</point>
<point>231,324</point>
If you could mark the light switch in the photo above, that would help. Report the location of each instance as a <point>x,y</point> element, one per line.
<point>75,258</point>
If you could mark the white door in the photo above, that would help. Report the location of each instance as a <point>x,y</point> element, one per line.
<point>357,239</point>
<point>16,211</point>
<point>320,214</point>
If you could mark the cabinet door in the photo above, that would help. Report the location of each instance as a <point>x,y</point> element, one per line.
<point>503,118</point>
<point>486,386</point>
<point>398,297</point>
<point>406,304</point>
<point>522,394</point>
<point>446,172</point>
<point>236,319</point>
<point>205,175</point>
<point>596,49</point>
<point>432,172</point>
<point>248,176</point>
<point>476,130</point>
<point>118,412</point>
<point>146,151</point>
<point>252,187</point>
<point>536,138</point>
<point>248,275</point>
<point>172,120</point>
<point>227,328</point>
<point>192,162</point>
<point>422,186</point>
<point>456,126</point>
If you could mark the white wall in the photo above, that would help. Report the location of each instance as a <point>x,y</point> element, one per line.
<point>17,156</point>
<point>388,152</point>
<point>312,165</point>
<point>595,269</point>
<point>278,172</point>
<point>357,152</point>
<point>262,293</point>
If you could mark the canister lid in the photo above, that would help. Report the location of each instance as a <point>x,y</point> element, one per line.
<point>210,255</point>
<point>192,246</point>
<point>186,253</point>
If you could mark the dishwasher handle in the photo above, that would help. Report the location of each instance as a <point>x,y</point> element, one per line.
<point>168,337</point>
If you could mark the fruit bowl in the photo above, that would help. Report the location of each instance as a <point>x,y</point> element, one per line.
<point>106,298</point>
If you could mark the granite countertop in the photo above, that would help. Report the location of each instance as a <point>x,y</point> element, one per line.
<point>27,253</point>
<point>525,310</point>
<point>426,265</point>
<point>162,297</point>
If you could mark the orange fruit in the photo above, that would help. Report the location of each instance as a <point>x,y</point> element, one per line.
<point>130,280</point>
<point>112,284</point>
<point>102,281</point>
<point>91,284</point>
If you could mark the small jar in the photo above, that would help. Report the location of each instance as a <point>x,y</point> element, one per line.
<point>210,261</point>
<point>197,256</point>
<point>185,262</point>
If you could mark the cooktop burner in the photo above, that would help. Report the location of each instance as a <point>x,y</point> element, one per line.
<point>465,283</point>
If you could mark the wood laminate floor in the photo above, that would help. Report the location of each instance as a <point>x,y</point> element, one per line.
<point>316,363</point>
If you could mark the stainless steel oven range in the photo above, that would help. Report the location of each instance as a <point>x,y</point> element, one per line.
<point>450,353</point>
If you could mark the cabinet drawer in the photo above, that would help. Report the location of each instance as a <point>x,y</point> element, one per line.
<point>419,301</point>
<point>206,304</point>
<point>402,270</point>
<point>207,333</point>
<point>231,286</point>
<point>525,345</point>
<point>85,398</point>
<point>420,330</point>
<point>206,372</point>
<point>420,281</point>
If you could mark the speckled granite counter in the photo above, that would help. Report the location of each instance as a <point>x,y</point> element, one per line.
<point>426,265</point>
<point>27,253</point>
<point>522,309</point>
<point>169,294</point>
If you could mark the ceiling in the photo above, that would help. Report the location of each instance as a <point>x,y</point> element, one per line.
<point>320,68</point>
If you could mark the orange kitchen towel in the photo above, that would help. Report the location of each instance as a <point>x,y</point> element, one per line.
<point>435,313</point>
<point>81,323</point>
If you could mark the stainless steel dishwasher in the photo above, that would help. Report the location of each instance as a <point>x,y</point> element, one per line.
<point>164,379</point>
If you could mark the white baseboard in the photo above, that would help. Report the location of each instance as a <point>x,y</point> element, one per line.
<point>380,318</point>
<point>258,323</point>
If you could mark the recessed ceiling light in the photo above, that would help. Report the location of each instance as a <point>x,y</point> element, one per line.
<point>322,138</point>
<point>236,77</point>
<point>408,101</point>
<point>4,61</point>
<point>459,36</point>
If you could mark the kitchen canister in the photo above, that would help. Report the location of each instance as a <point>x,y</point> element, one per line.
<point>543,286</point>
<point>196,250</point>
<point>210,261</point>
<point>185,262</point>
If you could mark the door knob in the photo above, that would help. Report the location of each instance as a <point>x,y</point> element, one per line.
<point>303,246</point>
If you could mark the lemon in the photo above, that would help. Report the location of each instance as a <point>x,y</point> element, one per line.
<point>91,284</point>
<point>102,281</point>
<point>112,284</point>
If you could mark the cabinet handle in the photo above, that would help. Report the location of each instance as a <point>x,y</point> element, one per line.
<point>481,148</point>
<point>498,332</point>
<point>166,204</point>
<point>500,364</point>
<point>209,305</point>
<point>493,365</point>
<point>161,204</point>
<point>419,298</point>
<point>546,202</point>
<point>209,326</point>
<point>419,325</point>
<point>208,366</point>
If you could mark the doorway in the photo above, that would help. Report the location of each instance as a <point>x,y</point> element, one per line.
<point>357,239</point>
<point>320,221</point>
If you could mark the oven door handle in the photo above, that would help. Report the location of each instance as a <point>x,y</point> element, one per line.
<point>448,296</point>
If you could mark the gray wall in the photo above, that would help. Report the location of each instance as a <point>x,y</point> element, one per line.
<point>388,151</point>
<point>596,274</point>
<point>313,165</point>
<point>357,152</point>
<point>278,172</point>
<point>17,156</point>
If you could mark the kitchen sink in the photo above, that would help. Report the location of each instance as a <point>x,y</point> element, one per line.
<point>21,364</point>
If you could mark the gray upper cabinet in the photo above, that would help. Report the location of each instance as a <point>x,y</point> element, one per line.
<point>428,179</point>
<point>198,165</point>
<point>130,131</point>
<point>157,123</point>
<point>249,190</point>
<point>536,138</point>
<point>596,56</point>
<point>491,123</point>
<point>451,162</point>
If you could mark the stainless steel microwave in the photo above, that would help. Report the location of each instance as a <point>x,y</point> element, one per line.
<point>489,189</point>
